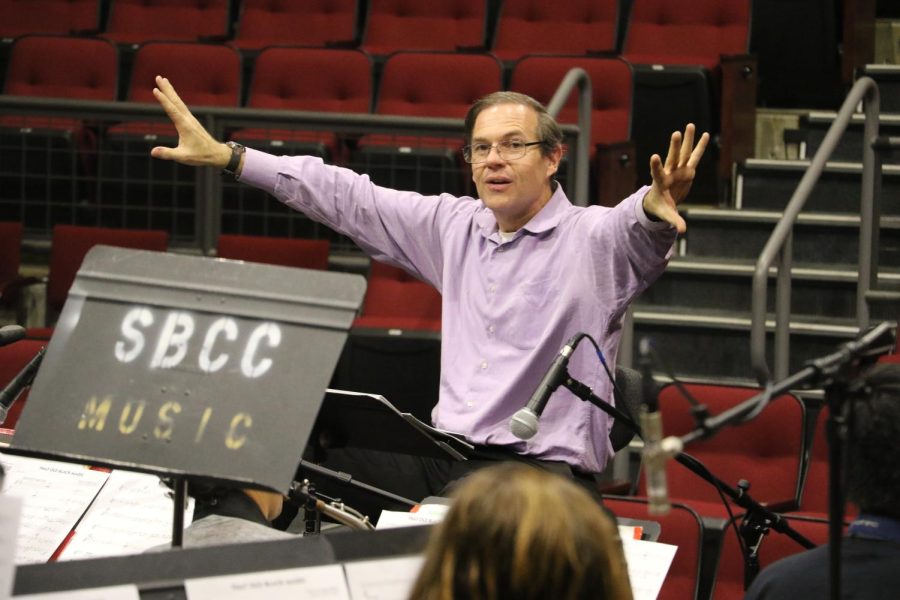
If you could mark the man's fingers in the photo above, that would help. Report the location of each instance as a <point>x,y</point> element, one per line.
<point>674,149</point>
<point>686,145</point>
<point>163,153</point>
<point>170,93</point>
<point>656,168</point>
<point>698,151</point>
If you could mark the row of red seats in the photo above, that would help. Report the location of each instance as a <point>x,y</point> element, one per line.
<point>657,31</point>
<point>321,80</point>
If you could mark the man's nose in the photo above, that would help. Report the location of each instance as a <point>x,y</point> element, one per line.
<point>493,156</point>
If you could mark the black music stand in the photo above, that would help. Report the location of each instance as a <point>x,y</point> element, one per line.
<point>186,366</point>
<point>369,421</point>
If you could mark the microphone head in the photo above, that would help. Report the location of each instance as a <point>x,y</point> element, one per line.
<point>524,424</point>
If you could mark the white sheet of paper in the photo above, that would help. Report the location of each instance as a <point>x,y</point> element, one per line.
<point>383,579</point>
<point>115,592</point>
<point>10,516</point>
<point>321,583</point>
<point>648,564</point>
<point>130,514</point>
<point>390,518</point>
<point>54,496</point>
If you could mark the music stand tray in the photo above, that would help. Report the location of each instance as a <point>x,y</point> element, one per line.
<point>370,421</point>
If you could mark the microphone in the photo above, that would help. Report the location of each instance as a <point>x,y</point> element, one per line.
<point>524,424</point>
<point>653,455</point>
<point>19,382</point>
<point>11,333</point>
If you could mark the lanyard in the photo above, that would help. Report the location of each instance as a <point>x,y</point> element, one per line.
<point>875,527</point>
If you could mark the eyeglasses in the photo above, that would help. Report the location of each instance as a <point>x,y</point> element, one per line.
<point>507,150</point>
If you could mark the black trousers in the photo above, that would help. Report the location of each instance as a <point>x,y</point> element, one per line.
<point>415,477</point>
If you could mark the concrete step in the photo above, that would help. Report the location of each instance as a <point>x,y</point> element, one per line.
<point>764,184</point>
<point>814,125</point>
<point>888,79</point>
<point>698,284</point>
<point>819,238</point>
<point>716,344</point>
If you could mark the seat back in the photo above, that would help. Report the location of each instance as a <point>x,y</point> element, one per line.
<point>321,80</point>
<point>396,300</point>
<point>295,22</point>
<point>203,74</point>
<point>729,580</point>
<point>681,527</point>
<point>10,252</point>
<point>48,16</point>
<point>286,252</point>
<point>137,21</point>
<point>697,33</point>
<point>13,358</point>
<point>70,243</point>
<point>62,67</point>
<point>611,96</point>
<point>766,451</point>
<point>393,25</point>
<point>435,84</point>
<point>572,27</point>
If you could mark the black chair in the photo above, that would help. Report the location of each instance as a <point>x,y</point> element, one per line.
<point>628,399</point>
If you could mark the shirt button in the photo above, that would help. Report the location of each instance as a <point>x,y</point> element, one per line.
<point>491,329</point>
<point>492,288</point>
<point>484,365</point>
<point>470,404</point>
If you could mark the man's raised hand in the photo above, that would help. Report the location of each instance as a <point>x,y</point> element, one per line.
<point>672,180</point>
<point>196,147</point>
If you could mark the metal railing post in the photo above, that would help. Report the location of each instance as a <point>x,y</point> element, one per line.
<point>577,76</point>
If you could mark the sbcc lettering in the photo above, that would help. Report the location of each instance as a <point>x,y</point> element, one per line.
<point>178,329</point>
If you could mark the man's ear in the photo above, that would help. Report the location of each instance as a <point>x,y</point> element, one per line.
<point>555,157</point>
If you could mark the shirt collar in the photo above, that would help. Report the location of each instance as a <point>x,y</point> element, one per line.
<point>545,220</point>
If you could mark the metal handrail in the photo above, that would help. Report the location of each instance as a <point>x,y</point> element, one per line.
<point>577,76</point>
<point>780,242</point>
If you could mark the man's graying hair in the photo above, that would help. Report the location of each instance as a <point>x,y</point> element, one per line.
<point>548,130</point>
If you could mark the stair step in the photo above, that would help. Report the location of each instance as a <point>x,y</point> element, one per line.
<point>819,238</point>
<point>814,126</point>
<point>888,79</point>
<point>766,184</point>
<point>708,284</point>
<point>717,344</point>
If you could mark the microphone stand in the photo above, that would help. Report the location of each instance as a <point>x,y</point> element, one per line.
<point>757,519</point>
<point>833,371</point>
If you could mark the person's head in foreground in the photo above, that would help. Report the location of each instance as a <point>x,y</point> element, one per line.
<point>516,532</point>
<point>873,479</point>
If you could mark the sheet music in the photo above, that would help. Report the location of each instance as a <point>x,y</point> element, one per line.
<point>10,515</point>
<point>130,514</point>
<point>114,592</point>
<point>385,579</point>
<point>54,496</point>
<point>424,514</point>
<point>321,583</point>
<point>648,564</point>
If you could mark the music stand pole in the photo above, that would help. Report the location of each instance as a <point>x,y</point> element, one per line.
<point>179,485</point>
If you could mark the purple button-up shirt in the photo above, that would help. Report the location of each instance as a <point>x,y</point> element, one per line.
<point>508,307</point>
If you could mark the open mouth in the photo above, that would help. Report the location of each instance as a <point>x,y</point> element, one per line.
<point>498,183</point>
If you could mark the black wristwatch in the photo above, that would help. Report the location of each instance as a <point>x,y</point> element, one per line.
<point>237,150</point>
